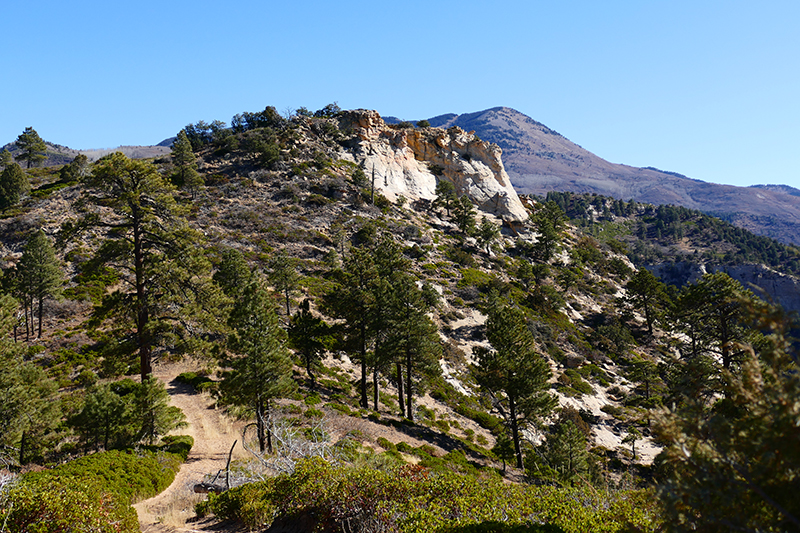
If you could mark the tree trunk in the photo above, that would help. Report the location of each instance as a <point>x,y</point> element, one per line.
<point>311,375</point>
<point>27,318</point>
<point>375,395</point>
<point>400,396</point>
<point>364,399</point>
<point>22,445</point>
<point>269,431</point>
<point>409,397</point>
<point>41,312</point>
<point>142,313</point>
<point>260,432</point>
<point>512,413</point>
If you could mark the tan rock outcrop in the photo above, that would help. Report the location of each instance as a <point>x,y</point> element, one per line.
<point>408,162</point>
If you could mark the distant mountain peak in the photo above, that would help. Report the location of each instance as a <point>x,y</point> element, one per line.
<point>538,159</point>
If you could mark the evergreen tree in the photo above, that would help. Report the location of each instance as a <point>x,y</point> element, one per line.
<point>153,413</point>
<point>186,164</point>
<point>646,293</point>
<point>565,451</point>
<point>413,337</point>
<point>464,215</point>
<point>284,277</point>
<point>106,418</point>
<point>549,221</point>
<point>6,159</point>
<point>39,273</point>
<point>308,335</point>
<point>163,273</point>
<point>32,148</point>
<point>513,373</point>
<point>233,273</point>
<point>76,169</point>
<point>445,195</point>
<point>26,409</point>
<point>261,370</point>
<point>13,185</point>
<point>732,463</point>
<point>351,301</point>
<point>487,234</point>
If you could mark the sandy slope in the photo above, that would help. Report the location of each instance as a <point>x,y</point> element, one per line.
<point>213,435</point>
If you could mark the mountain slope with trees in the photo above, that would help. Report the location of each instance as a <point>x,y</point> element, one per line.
<point>540,160</point>
<point>390,348</point>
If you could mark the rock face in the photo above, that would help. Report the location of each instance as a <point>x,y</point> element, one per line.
<point>409,162</point>
<point>779,288</point>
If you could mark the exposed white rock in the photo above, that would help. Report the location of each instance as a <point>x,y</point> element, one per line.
<point>409,162</point>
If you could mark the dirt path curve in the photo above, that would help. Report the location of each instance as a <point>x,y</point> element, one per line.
<point>213,435</point>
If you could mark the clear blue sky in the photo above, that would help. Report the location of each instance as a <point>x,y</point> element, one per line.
<point>710,89</point>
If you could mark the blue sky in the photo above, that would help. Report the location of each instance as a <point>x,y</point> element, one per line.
<point>710,89</point>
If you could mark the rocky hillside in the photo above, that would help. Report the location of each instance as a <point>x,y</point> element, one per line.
<point>540,160</point>
<point>319,188</point>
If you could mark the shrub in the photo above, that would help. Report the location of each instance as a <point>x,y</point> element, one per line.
<point>414,498</point>
<point>93,493</point>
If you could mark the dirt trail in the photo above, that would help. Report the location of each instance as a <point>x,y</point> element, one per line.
<point>213,435</point>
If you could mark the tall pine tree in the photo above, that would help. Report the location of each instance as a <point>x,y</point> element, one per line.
<point>39,273</point>
<point>513,373</point>
<point>261,366</point>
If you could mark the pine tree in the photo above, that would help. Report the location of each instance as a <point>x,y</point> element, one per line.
<point>415,336</point>
<point>153,413</point>
<point>233,274</point>
<point>186,164</point>
<point>164,274</point>
<point>513,373</point>
<point>487,233</point>
<point>352,302</point>
<point>464,215</point>
<point>445,195</point>
<point>261,370</point>
<point>6,159</point>
<point>31,147</point>
<point>646,293</point>
<point>548,221</point>
<point>26,409</point>
<point>13,185</point>
<point>308,335</point>
<point>733,463</point>
<point>283,276</point>
<point>40,275</point>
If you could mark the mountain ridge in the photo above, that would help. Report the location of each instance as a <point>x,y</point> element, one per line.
<point>539,160</point>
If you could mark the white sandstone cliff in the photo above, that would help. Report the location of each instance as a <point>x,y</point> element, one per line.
<point>408,162</point>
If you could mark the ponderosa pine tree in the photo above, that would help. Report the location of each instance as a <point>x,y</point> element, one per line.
<point>352,301</point>
<point>646,293</point>
<point>445,195</point>
<point>284,277</point>
<point>31,147</point>
<point>26,409</point>
<point>308,334</point>
<point>260,370</point>
<point>548,221</point>
<point>233,274</point>
<point>186,164</point>
<point>6,158</point>
<point>412,336</point>
<point>513,373</point>
<point>163,272</point>
<point>13,185</point>
<point>39,274</point>
<point>732,463</point>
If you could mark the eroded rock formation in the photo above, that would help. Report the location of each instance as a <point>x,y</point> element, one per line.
<point>409,162</point>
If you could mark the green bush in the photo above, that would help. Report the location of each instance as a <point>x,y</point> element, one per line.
<point>413,498</point>
<point>93,493</point>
